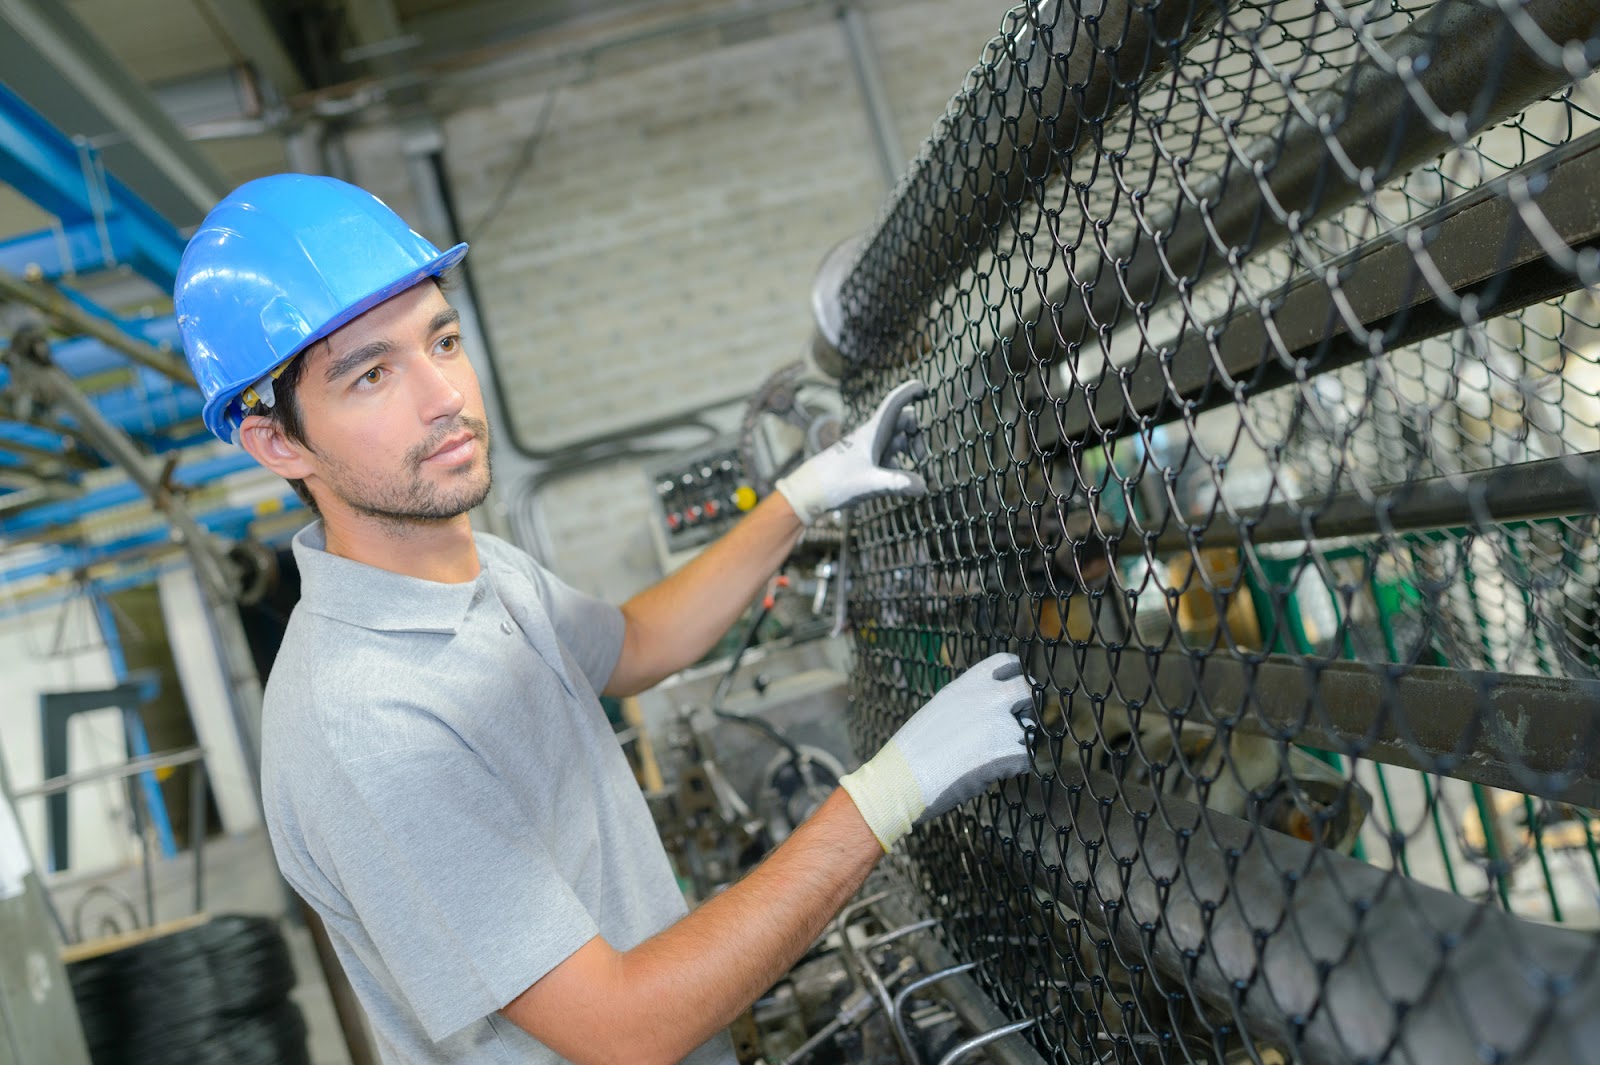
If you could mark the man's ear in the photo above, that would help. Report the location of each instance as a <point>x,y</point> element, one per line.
<point>264,439</point>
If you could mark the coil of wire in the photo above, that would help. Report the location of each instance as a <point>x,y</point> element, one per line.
<point>208,995</point>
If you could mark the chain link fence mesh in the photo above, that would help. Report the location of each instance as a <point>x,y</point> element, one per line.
<point>1263,346</point>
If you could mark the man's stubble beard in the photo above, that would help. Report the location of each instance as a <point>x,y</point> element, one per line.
<point>417,501</point>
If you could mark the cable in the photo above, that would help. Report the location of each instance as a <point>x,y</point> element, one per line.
<point>520,166</point>
<point>796,757</point>
<point>215,994</point>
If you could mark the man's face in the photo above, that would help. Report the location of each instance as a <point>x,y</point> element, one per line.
<point>392,412</point>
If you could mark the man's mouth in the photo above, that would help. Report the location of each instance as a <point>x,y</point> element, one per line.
<point>455,449</point>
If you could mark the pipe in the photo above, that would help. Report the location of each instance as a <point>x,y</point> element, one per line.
<point>58,308</point>
<point>880,116</point>
<point>1528,491</point>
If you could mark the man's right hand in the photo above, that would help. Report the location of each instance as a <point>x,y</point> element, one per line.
<point>966,737</point>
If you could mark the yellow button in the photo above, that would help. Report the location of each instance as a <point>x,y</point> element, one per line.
<point>745,497</point>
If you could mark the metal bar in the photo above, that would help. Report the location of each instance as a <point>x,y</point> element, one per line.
<point>192,474</point>
<point>880,116</point>
<point>59,309</point>
<point>1477,242</point>
<point>1527,733</point>
<point>91,92</point>
<point>1528,491</point>
<point>197,831</point>
<point>1464,56</point>
<point>1202,898</point>
<point>138,742</point>
<point>1027,108</point>
<point>961,993</point>
<point>63,252</point>
<point>965,1049</point>
<point>48,168</point>
<point>251,32</point>
<point>921,983</point>
<point>68,458</point>
<point>132,767</point>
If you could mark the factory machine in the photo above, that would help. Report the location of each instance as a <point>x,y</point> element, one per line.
<point>1263,352</point>
<point>1263,347</point>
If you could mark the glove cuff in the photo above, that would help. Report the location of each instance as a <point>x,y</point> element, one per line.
<point>886,792</point>
<point>804,491</point>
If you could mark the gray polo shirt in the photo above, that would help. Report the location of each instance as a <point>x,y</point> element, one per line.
<point>441,784</point>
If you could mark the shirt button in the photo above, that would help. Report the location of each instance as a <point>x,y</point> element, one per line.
<point>505,627</point>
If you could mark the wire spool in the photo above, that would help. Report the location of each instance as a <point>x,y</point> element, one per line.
<point>211,994</point>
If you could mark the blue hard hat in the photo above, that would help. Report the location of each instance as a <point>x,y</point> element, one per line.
<point>276,266</point>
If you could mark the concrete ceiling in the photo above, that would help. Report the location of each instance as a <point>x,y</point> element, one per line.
<point>223,78</point>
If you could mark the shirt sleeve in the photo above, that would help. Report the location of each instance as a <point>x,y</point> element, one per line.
<point>460,900</point>
<point>590,629</point>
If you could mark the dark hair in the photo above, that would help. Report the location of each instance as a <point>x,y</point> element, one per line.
<point>285,414</point>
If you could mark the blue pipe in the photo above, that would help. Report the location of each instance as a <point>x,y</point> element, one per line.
<point>231,523</point>
<point>45,165</point>
<point>66,511</point>
<point>76,249</point>
<point>133,727</point>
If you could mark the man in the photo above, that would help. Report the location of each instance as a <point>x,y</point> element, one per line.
<point>439,780</point>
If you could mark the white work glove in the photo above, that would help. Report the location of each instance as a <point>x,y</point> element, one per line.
<point>852,469</point>
<point>966,737</point>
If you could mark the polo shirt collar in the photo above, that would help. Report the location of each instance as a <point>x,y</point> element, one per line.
<point>372,598</point>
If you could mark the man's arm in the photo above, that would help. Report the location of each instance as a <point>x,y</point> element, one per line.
<point>657,1002</point>
<point>670,625</point>
<point>663,998</point>
<point>673,623</point>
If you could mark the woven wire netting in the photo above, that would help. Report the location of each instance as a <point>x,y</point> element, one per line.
<point>1263,351</point>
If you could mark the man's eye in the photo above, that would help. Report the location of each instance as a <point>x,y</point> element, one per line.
<point>450,344</point>
<point>373,376</point>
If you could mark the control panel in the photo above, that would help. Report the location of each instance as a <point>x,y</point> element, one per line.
<point>699,495</point>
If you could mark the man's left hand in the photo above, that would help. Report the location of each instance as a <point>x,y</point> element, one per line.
<point>854,469</point>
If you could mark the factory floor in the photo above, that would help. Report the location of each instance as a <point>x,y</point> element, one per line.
<point>240,877</point>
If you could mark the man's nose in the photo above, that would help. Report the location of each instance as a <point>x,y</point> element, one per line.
<point>440,395</point>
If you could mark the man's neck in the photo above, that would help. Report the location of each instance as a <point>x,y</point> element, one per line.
<point>442,551</point>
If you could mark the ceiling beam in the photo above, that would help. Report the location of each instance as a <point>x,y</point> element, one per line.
<point>253,34</point>
<point>61,69</point>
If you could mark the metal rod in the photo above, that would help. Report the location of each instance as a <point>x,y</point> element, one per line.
<point>965,1049</point>
<point>197,831</point>
<point>1521,732</point>
<point>1201,898</point>
<point>961,993</point>
<point>132,767</point>
<point>1382,286</point>
<point>880,116</point>
<point>1546,488</point>
<point>901,932</point>
<point>63,311</point>
<point>1463,55</point>
<point>841,927</point>
<point>903,997</point>
<point>1028,106</point>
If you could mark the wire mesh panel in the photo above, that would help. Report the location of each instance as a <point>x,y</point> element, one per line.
<point>1263,347</point>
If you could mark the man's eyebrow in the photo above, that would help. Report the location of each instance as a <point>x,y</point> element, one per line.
<point>351,359</point>
<point>448,316</point>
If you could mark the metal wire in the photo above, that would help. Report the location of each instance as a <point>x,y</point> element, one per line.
<point>1263,341</point>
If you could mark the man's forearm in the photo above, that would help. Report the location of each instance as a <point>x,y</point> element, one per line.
<point>741,942</point>
<point>673,623</point>
<point>663,998</point>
